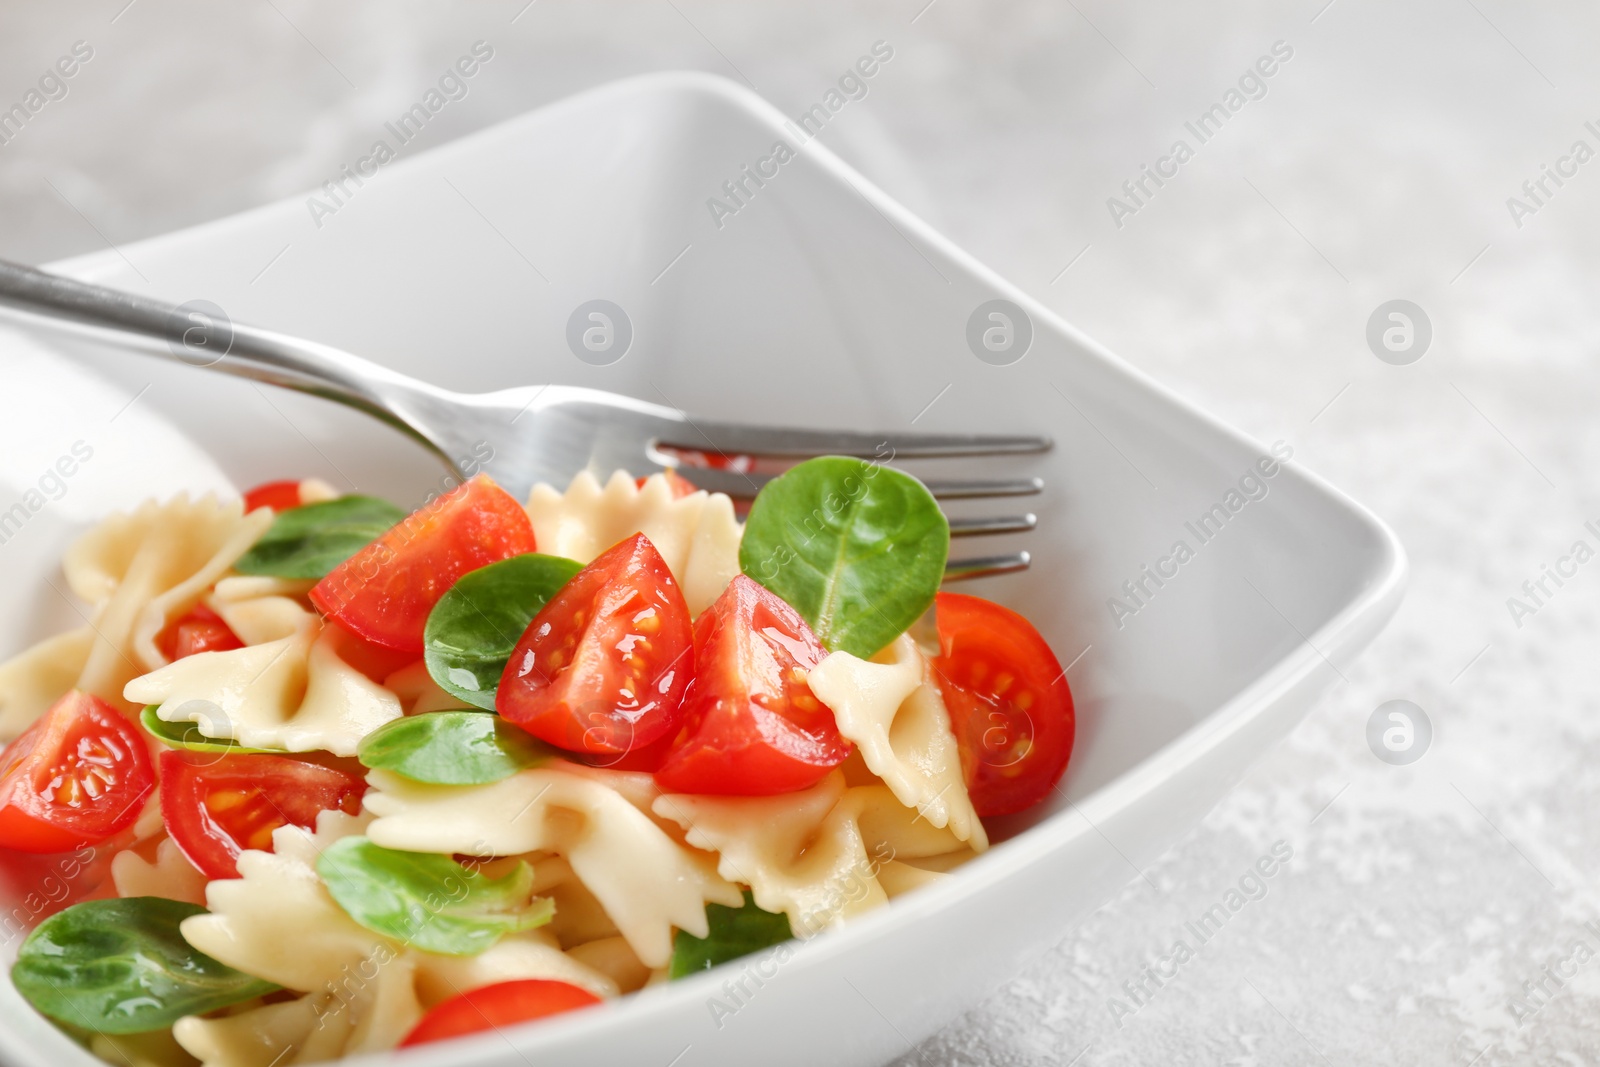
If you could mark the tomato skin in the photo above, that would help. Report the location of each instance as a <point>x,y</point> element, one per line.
<point>646,758</point>
<point>751,724</point>
<point>384,592</point>
<point>604,665</point>
<point>201,630</point>
<point>75,777</point>
<point>375,661</point>
<point>680,486</point>
<point>1009,703</point>
<point>217,805</point>
<point>279,496</point>
<point>492,1006</point>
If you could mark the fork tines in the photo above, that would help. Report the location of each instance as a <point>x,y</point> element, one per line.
<point>734,440</point>
<point>742,485</point>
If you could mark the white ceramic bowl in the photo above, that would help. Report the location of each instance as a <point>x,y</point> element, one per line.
<point>821,301</point>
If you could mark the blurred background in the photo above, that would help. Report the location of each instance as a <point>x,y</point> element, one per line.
<point>1384,158</point>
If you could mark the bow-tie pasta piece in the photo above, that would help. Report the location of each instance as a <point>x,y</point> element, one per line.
<point>279,891</point>
<point>35,679</point>
<point>646,882</point>
<point>137,571</point>
<point>143,569</point>
<point>529,954</point>
<point>169,874</point>
<point>259,609</point>
<point>697,535</point>
<point>815,854</point>
<point>369,1011</point>
<point>890,708</point>
<point>294,694</point>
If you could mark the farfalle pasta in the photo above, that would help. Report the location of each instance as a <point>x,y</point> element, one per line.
<point>892,711</point>
<point>696,533</point>
<point>368,779</point>
<point>604,838</point>
<point>293,694</point>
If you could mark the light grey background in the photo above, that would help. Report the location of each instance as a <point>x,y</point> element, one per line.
<point>1378,166</point>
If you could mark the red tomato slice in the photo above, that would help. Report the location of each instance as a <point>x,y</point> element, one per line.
<point>751,724</point>
<point>279,496</point>
<point>680,486</point>
<point>603,666</point>
<point>218,805</point>
<point>202,630</point>
<point>385,591</point>
<point>78,775</point>
<point>501,1004</point>
<point>1009,703</point>
<point>646,758</point>
<point>375,661</point>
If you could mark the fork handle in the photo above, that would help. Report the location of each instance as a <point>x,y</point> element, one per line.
<point>202,335</point>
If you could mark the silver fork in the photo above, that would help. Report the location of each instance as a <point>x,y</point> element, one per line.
<point>536,433</point>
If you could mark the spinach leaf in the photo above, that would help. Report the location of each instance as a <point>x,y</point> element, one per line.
<point>121,967</point>
<point>452,748</point>
<point>313,539</point>
<point>427,900</point>
<point>857,549</point>
<point>734,932</point>
<point>187,735</point>
<point>473,629</point>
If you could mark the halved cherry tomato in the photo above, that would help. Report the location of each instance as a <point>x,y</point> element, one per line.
<point>279,496</point>
<point>680,486</point>
<point>78,775</point>
<point>375,661</point>
<point>201,630</point>
<point>502,1004</point>
<point>385,591</point>
<point>751,724</point>
<point>1009,703</point>
<point>604,665</point>
<point>216,806</point>
<point>646,758</point>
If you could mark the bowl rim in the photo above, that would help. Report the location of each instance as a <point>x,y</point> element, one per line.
<point>1375,599</point>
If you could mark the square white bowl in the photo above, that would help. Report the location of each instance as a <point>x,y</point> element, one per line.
<point>821,301</point>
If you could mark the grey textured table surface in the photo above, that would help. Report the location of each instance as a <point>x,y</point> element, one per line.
<point>1422,903</point>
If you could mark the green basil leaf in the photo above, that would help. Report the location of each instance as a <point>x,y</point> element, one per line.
<point>857,549</point>
<point>473,629</point>
<point>427,900</point>
<point>187,735</point>
<point>734,932</point>
<point>452,748</point>
<point>120,966</point>
<point>313,539</point>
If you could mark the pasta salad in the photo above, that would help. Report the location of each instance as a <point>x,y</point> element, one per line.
<point>334,779</point>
